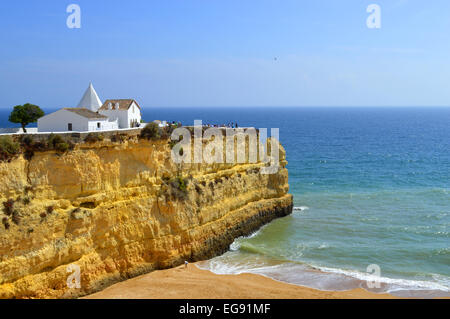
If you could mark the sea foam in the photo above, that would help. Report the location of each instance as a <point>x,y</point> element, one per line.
<point>300,208</point>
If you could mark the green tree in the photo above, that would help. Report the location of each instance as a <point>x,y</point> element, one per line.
<point>25,114</point>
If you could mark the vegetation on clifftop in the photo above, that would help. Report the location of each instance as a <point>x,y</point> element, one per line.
<point>8,148</point>
<point>153,131</point>
<point>12,146</point>
<point>92,138</point>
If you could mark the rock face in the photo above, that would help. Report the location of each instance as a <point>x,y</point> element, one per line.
<point>118,210</point>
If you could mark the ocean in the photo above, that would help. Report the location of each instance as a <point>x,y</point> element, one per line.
<point>371,192</point>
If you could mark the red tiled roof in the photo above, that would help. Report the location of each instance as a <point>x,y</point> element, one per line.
<point>124,104</point>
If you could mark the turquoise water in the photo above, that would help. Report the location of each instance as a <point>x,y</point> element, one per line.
<point>370,186</point>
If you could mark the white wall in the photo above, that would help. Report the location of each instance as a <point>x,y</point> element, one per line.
<point>120,115</point>
<point>104,125</point>
<point>124,117</point>
<point>59,120</point>
<point>134,114</point>
<point>110,125</point>
<point>17,130</point>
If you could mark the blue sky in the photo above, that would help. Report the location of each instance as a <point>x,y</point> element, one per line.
<point>222,52</point>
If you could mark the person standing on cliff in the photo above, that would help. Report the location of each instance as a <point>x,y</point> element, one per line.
<point>185,264</point>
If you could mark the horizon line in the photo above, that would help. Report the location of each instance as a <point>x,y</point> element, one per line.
<point>275,106</point>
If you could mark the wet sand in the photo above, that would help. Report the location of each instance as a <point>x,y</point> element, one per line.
<point>195,283</point>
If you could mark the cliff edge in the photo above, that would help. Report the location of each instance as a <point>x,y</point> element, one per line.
<point>116,210</point>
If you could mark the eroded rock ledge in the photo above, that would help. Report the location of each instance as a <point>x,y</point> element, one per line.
<point>118,210</point>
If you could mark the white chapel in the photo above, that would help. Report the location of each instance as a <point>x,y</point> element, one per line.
<point>93,115</point>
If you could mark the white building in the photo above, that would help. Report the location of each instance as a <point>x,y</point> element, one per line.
<point>91,115</point>
<point>126,111</point>
<point>75,119</point>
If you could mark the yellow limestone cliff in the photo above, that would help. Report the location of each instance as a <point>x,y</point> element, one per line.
<point>118,210</point>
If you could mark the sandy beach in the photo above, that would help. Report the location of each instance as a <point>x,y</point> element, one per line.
<point>195,283</point>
